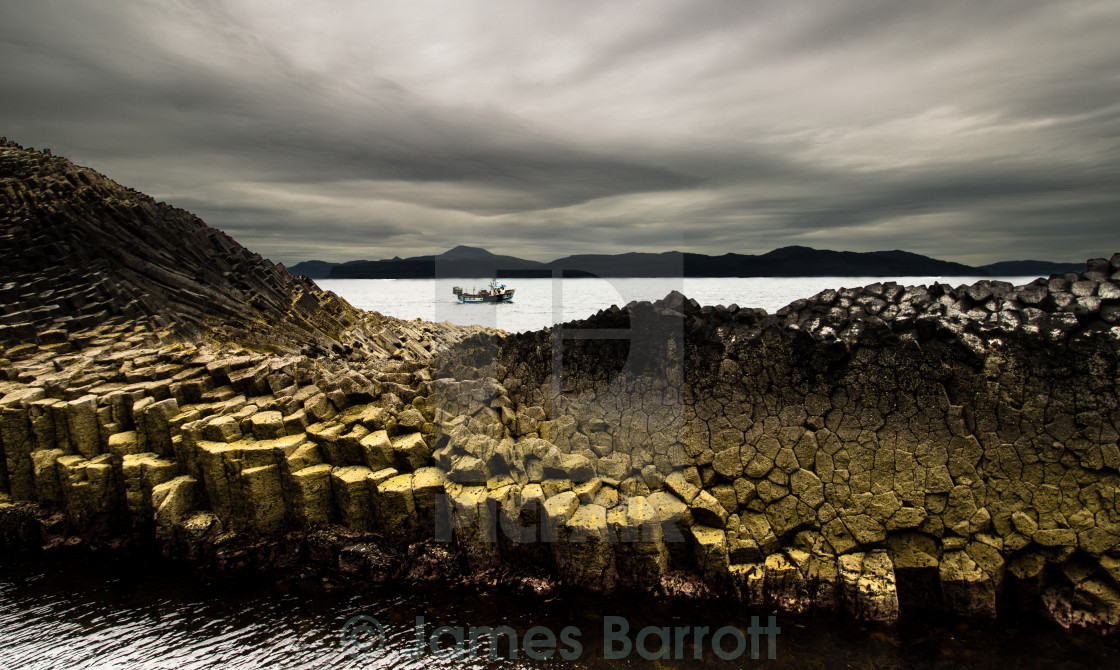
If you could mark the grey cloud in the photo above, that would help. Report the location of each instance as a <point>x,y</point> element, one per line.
<point>967,131</point>
<point>284,126</point>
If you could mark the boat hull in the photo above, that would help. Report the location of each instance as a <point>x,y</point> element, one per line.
<point>471,299</point>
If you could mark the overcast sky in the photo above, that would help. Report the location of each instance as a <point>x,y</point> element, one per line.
<point>968,131</point>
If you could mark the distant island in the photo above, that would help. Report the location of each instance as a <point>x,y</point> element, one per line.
<point>795,261</point>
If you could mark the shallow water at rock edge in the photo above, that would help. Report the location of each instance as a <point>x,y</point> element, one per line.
<point>153,614</point>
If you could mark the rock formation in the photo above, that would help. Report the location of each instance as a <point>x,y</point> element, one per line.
<point>81,251</point>
<point>880,447</point>
<point>870,450</point>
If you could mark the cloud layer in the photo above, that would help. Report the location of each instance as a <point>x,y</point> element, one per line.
<point>968,131</point>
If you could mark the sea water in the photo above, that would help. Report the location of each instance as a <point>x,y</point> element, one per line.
<point>151,615</point>
<point>539,303</point>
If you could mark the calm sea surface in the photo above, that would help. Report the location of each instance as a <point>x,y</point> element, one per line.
<point>540,303</point>
<point>99,614</point>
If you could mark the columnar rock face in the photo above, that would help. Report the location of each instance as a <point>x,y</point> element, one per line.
<point>867,450</point>
<point>879,447</point>
<point>79,251</point>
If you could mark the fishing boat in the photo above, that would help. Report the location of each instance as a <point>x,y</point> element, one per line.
<point>495,292</point>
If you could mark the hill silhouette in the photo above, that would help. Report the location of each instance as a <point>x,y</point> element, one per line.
<point>793,261</point>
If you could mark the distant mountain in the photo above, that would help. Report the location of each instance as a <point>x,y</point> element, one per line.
<point>665,264</point>
<point>464,261</point>
<point>794,261</point>
<point>461,261</point>
<point>784,262</point>
<point>461,253</point>
<point>469,255</point>
<point>1041,268</point>
<point>313,269</point>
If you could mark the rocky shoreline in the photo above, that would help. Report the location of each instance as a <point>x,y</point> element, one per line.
<point>866,450</point>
